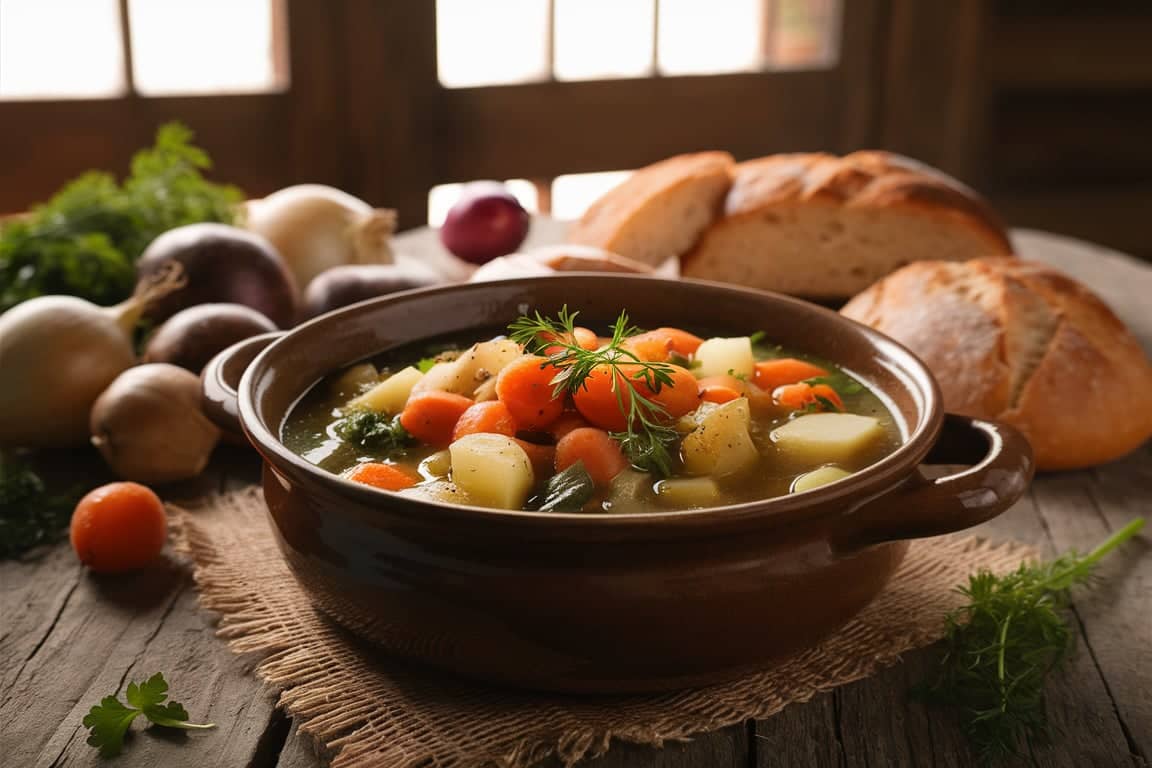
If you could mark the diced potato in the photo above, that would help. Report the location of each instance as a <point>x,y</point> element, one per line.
<point>389,395</point>
<point>687,492</point>
<point>475,366</point>
<point>630,492</point>
<point>492,469</point>
<point>437,490</point>
<point>719,356</point>
<point>721,445</point>
<point>819,438</point>
<point>438,464</point>
<point>355,380</point>
<point>818,477</point>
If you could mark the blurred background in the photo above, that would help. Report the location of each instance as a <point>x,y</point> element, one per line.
<point>1045,106</point>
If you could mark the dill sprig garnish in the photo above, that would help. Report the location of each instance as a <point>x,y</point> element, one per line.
<point>1000,648</point>
<point>647,439</point>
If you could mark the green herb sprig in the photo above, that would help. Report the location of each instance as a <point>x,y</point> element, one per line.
<point>373,431</point>
<point>29,514</point>
<point>85,240</point>
<point>108,721</point>
<point>1000,647</point>
<point>648,439</point>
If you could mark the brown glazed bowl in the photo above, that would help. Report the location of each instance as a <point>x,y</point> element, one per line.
<point>603,602</point>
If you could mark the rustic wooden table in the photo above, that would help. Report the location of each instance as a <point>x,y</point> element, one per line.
<point>68,638</point>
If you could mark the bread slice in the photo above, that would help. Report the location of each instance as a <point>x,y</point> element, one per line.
<point>660,211</point>
<point>827,227</point>
<point>1020,342</point>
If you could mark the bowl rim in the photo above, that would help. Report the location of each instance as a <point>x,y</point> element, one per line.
<point>862,486</point>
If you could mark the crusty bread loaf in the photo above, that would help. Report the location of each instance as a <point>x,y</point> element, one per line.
<point>660,211</point>
<point>1018,341</point>
<point>822,226</point>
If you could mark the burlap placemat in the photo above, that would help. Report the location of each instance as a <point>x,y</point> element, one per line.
<point>401,718</point>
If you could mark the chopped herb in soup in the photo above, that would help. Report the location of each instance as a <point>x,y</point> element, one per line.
<point>554,417</point>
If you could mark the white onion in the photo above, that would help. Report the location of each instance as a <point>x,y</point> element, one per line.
<point>315,227</point>
<point>57,354</point>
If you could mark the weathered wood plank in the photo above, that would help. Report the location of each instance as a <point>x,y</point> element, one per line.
<point>803,734</point>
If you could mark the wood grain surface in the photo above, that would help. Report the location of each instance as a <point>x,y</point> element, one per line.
<point>67,639</point>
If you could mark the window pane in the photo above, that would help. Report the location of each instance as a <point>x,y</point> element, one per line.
<point>60,48</point>
<point>574,192</point>
<point>805,34</point>
<point>489,42</point>
<point>444,196</point>
<point>699,37</point>
<point>603,39</point>
<point>207,46</point>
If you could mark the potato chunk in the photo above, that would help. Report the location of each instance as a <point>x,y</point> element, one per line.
<point>819,438</point>
<point>437,490</point>
<point>718,357</point>
<point>687,492</point>
<point>389,395</point>
<point>721,445</point>
<point>492,469</point>
<point>818,477</point>
<point>475,366</point>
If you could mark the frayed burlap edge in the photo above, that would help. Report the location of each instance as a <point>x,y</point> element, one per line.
<point>368,711</point>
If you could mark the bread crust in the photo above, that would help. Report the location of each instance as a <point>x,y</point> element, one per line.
<point>1023,343</point>
<point>606,221</point>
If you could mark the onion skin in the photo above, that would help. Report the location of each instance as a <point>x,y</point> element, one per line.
<point>57,354</point>
<point>193,336</point>
<point>148,425</point>
<point>341,286</point>
<point>221,264</point>
<point>316,228</point>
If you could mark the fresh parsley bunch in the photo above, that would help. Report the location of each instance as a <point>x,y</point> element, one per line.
<point>108,721</point>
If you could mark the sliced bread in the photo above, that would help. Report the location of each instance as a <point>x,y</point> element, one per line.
<point>822,226</point>
<point>660,210</point>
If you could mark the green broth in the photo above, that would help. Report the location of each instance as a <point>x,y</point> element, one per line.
<point>309,432</point>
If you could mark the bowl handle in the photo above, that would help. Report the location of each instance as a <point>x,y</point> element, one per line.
<point>221,377</point>
<point>1001,468</point>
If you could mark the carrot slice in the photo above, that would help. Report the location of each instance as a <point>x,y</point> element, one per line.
<point>540,456</point>
<point>582,337</point>
<point>658,344</point>
<point>601,455</point>
<point>525,387</point>
<point>802,395</point>
<point>606,407</point>
<point>567,422</point>
<point>770,374</point>
<point>490,416</point>
<point>386,476</point>
<point>718,393</point>
<point>431,416</point>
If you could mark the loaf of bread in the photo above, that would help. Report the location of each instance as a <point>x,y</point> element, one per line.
<point>660,211</point>
<point>827,227</point>
<point>549,259</point>
<point>1019,342</point>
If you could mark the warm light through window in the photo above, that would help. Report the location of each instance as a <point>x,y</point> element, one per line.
<point>603,38</point>
<point>574,192</point>
<point>207,46</point>
<point>60,49</point>
<point>490,42</point>
<point>700,37</point>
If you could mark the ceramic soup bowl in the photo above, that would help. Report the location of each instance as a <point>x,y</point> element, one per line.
<point>607,602</point>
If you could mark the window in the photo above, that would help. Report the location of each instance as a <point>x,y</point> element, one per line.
<point>174,47</point>
<point>502,42</point>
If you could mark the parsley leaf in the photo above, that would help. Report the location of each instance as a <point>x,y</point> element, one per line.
<point>426,364</point>
<point>108,721</point>
<point>373,431</point>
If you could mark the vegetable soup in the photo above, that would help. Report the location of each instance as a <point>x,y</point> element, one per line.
<point>552,416</point>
